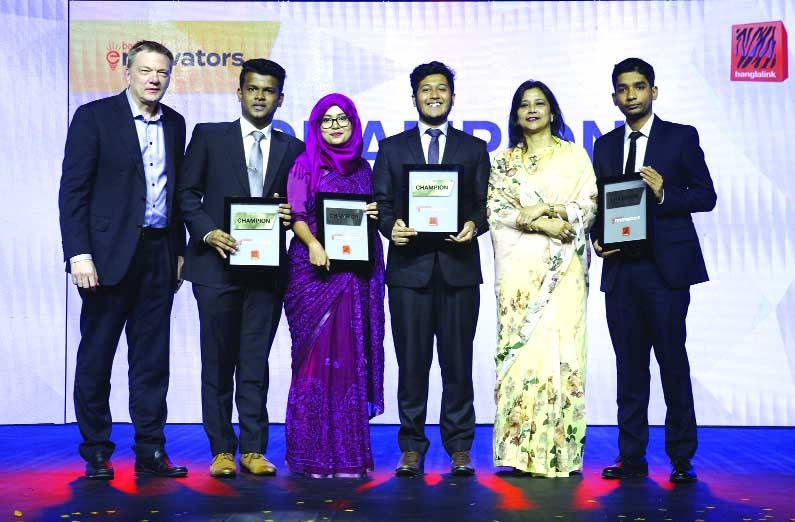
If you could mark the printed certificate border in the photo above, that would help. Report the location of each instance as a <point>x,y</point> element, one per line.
<point>635,246</point>
<point>322,200</point>
<point>445,167</point>
<point>256,269</point>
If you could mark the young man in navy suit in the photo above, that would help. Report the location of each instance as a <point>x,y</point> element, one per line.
<point>433,286</point>
<point>123,241</point>
<point>238,315</point>
<point>647,294</point>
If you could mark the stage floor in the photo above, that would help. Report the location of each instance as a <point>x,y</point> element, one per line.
<point>747,474</point>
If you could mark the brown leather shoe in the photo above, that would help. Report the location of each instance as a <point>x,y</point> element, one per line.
<point>461,464</point>
<point>256,464</point>
<point>223,466</point>
<point>412,464</point>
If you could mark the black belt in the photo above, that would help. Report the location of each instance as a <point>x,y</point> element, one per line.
<point>153,233</point>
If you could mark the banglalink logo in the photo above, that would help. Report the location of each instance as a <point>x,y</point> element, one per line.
<point>117,54</point>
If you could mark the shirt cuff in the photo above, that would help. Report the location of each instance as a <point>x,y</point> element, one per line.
<point>662,198</point>
<point>80,257</point>
<point>204,239</point>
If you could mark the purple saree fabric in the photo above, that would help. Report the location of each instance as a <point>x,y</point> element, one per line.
<point>337,327</point>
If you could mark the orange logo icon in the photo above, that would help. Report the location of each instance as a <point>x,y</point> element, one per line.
<point>625,231</point>
<point>346,249</point>
<point>433,221</point>
<point>113,56</point>
<point>255,255</point>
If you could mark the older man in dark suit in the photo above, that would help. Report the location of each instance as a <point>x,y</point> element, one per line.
<point>647,294</point>
<point>239,315</point>
<point>433,286</point>
<point>123,240</point>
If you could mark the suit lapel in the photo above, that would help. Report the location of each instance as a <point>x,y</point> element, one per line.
<point>237,163</point>
<point>617,161</point>
<point>654,143</point>
<point>451,145</point>
<point>276,154</point>
<point>414,146</point>
<point>128,134</point>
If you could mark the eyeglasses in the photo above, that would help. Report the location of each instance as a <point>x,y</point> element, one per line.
<point>342,121</point>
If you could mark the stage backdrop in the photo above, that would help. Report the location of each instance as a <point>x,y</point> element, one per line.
<point>57,56</point>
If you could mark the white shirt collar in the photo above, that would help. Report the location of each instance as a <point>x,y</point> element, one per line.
<point>247,128</point>
<point>424,127</point>
<point>137,112</point>
<point>645,130</point>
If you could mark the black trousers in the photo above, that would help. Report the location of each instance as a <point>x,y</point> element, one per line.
<point>238,325</point>
<point>450,314</point>
<point>643,312</point>
<point>142,300</point>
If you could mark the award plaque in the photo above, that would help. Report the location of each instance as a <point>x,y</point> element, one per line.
<point>626,207</point>
<point>260,236</point>
<point>344,230</point>
<point>432,206</point>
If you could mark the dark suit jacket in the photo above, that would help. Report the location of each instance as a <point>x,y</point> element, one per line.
<point>411,265</point>
<point>102,199</point>
<point>215,168</point>
<point>674,151</point>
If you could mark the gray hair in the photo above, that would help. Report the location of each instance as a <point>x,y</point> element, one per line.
<point>150,46</point>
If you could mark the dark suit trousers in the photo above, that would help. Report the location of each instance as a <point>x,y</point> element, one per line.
<point>142,300</point>
<point>451,314</point>
<point>644,312</point>
<point>238,324</point>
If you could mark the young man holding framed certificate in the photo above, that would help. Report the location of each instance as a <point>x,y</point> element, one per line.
<point>238,313</point>
<point>647,292</point>
<point>433,283</point>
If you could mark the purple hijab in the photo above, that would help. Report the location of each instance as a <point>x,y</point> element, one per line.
<point>344,158</point>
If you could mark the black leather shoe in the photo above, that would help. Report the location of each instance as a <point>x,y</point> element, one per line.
<point>627,468</point>
<point>159,465</point>
<point>461,464</point>
<point>99,468</point>
<point>683,472</point>
<point>412,464</point>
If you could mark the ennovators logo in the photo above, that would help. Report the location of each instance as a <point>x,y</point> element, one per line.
<point>207,55</point>
<point>759,52</point>
<point>189,58</point>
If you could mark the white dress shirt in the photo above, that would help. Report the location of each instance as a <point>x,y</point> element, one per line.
<point>640,147</point>
<point>248,141</point>
<point>246,128</point>
<point>640,144</point>
<point>425,139</point>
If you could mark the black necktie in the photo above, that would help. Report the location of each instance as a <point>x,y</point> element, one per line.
<point>433,148</point>
<point>629,168</point>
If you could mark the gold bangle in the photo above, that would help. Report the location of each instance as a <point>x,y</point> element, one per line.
<point>551,210</point>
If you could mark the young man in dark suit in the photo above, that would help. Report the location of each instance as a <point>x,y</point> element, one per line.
<point>647,294</point>
<point>238,315</point>
<point>433,286</point>
<point>123,241</point>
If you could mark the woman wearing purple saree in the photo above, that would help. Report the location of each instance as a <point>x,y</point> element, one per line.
<point>336,318</point>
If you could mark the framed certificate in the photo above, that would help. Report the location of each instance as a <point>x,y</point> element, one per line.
<point>627,209</point>
<point>255,224</point>
<point>344,230</point>
<point>432,199</point>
